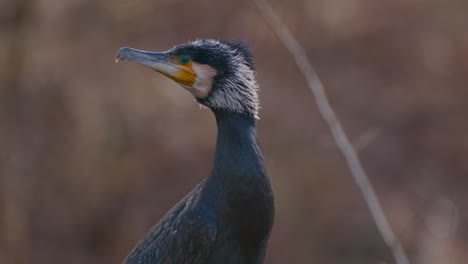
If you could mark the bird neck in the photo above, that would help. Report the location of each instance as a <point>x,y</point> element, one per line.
<point>238,159</point>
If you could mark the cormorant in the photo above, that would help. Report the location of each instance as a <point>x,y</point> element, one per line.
<point>228,217</point>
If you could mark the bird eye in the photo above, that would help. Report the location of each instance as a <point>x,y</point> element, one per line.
<point>184,59</point>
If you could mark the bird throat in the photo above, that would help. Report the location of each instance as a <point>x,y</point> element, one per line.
<point>238,160</point>
<point>242,189</point>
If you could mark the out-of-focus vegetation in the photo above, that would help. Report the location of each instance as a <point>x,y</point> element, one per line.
<point>92,153</point>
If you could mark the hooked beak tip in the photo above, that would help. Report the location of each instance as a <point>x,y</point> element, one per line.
<point>121,53</point>
<point>140,56</point>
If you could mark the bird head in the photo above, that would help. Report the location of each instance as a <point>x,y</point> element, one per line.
<point>219,74</point>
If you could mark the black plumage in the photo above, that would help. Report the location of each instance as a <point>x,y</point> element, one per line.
<point>228,217</point>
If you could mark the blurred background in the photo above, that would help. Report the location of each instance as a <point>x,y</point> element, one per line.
<point>93,153</point>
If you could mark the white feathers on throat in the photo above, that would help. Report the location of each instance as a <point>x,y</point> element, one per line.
<point>239,92</point>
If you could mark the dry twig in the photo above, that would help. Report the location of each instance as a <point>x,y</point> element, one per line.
<point>336,128</point>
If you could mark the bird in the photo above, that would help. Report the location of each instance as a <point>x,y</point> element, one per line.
<point>228,217</point>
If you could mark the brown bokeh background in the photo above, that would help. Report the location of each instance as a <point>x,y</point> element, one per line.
<point>93,153</point>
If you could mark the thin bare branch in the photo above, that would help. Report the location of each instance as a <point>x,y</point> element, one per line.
<point>336,128</point>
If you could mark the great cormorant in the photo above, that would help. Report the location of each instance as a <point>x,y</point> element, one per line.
<point>228,217</point>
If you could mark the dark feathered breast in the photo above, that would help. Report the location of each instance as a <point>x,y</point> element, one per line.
<point>184,235</point>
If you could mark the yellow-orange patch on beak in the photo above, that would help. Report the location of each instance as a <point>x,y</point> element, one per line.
<point>185,75</point>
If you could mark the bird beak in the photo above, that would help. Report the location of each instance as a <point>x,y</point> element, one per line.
<point>161,62</point>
